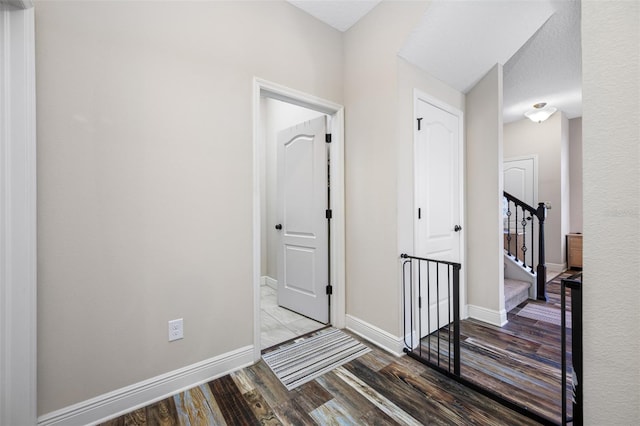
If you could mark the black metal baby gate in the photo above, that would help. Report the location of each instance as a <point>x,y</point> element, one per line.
<point>572,358</point>
<point>431,301</point>
<point>431,317</point>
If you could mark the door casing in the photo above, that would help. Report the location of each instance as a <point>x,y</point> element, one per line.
<point>18,230</point>
<point>264,88</point>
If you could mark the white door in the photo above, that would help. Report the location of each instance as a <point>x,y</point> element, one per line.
<point>438,215</point>
<point>303,225</point>
<point>520,179</point>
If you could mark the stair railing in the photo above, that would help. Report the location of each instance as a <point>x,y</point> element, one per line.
<point>520,222</point>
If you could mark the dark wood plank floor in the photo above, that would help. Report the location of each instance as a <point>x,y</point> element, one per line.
<point>375,389</point>
<point>520,361</point>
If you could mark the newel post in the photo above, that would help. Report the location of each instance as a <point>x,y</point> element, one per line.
<point>541,270</point>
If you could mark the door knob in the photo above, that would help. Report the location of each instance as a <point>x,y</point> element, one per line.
<point>457,228</point>
<point>278,227</point>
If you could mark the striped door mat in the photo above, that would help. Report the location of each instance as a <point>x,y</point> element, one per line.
<point>308,358</point>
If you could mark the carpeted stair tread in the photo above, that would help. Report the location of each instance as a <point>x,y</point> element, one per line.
<point>515,292</point>
<point>513,287</point>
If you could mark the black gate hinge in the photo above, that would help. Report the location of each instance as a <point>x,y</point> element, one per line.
<point>328,214</point>
<point>419,120</point>
<point>329,290</point>
<point>419,213</point>
<point>327,138</point>
<point>419,302</point>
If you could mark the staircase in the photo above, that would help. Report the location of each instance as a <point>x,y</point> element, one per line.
<point>519,283</point>
<point>522,279</point>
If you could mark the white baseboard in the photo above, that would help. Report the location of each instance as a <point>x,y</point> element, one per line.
<point>138,395</point>
<point>497,318</point>
<point>556,266</point>
<point>387,341</point>
<point>266,280</point>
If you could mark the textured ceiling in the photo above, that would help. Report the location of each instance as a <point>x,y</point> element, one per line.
<point>458,41</point>
<point>341,15</point>
<point>548,68</point>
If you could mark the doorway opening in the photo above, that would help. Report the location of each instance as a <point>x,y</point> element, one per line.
<point>298,270</point>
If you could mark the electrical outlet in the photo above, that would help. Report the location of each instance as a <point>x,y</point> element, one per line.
<point>176,331</point>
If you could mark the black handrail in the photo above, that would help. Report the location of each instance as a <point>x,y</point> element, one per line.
<point>539,213</point>
<point>520,203</point>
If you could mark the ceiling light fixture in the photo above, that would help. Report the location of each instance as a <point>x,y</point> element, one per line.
<point>540,112</point>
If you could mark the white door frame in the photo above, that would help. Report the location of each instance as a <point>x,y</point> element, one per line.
<point>263,88</point>
<point>18,300</point>
<point>418,95</point>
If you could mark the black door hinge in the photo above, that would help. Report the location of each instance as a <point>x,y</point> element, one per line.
<point>328,214</point>
<point>329,290</point>
<point>419,213</point>
<point>327,138</point>
<point>419,120</point>
<point>419,302</point>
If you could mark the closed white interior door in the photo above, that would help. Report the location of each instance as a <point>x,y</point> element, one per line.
<point>438,216</point>
<point>520,179</point>
<point>303,225</point>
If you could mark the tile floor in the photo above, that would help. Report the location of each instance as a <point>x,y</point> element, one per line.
<point>280,324</point>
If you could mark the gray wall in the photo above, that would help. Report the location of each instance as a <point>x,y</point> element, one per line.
<point>611,159</point>
<point>549,141</point>
<point>145,169</point>
<point>484,178</point>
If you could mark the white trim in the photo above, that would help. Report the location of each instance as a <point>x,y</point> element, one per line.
<point>141,394</point>
<point>387,341</point>
<point>18,284</point>
<point>556,266</point>
<point>497,318</point>
<point>269,282</point>
<point>272,90</point>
